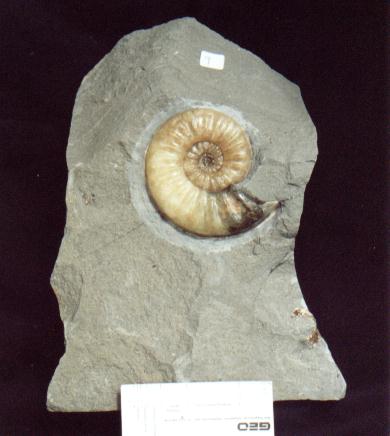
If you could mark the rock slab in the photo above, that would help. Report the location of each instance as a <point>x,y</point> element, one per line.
<point>144,302</point>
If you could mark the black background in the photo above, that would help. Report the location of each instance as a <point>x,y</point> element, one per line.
<point>335,52</point>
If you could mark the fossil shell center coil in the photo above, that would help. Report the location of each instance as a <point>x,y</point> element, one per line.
<point>192,164</point>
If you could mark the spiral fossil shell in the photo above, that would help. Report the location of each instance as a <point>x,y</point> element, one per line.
<point>192,165</point>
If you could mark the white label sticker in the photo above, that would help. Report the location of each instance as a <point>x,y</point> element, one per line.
<point>193,409</point>
<point>215,61</point>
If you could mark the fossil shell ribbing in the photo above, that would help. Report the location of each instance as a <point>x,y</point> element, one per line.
<point>192,165</point>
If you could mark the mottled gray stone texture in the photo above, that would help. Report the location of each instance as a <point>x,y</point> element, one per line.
<point>144,302</point>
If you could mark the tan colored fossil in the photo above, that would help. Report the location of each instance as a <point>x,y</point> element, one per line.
<point>192,165</point>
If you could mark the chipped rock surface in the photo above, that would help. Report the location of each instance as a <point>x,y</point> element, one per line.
<point>144,302</point>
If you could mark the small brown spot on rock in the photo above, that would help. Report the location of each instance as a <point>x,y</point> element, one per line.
<point>302,311</point>
<point>314,337</point>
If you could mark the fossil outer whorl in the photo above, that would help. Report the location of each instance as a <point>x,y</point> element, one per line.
<point>192,164</point>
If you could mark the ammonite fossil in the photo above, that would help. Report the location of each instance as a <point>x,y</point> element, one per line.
<point>193,165</point>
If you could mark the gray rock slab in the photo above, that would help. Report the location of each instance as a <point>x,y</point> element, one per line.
<point>144,302</point>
